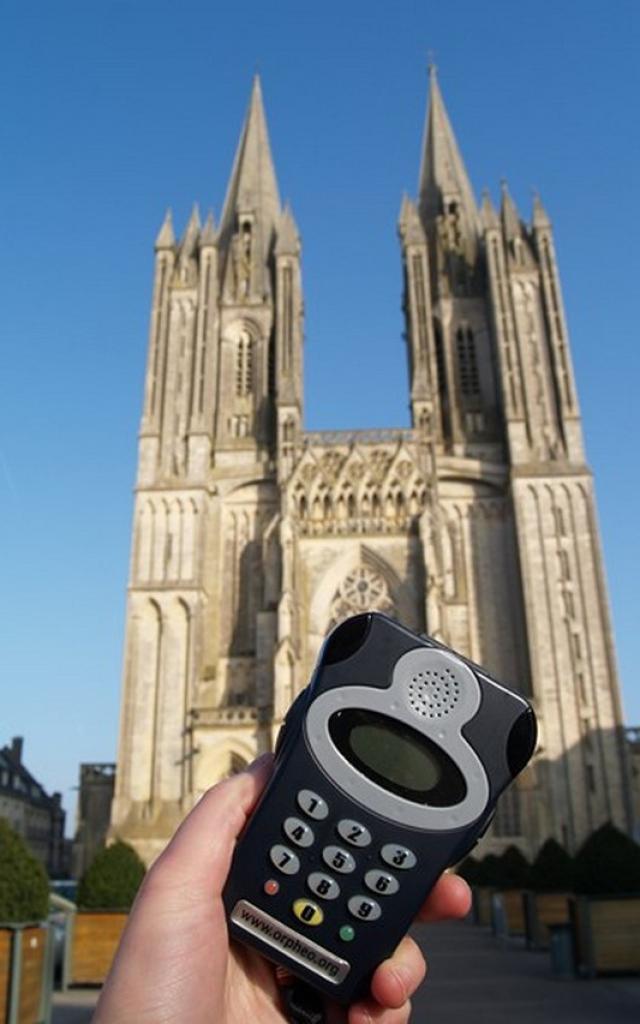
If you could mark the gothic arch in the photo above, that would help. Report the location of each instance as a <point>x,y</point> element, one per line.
<point>359,557</point>
<point>215,763</point>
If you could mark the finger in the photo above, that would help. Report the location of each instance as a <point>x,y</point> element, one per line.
<point>397,978</point>
<point>450,897</point>
<point>370,1012</point>
<point>201,850</point>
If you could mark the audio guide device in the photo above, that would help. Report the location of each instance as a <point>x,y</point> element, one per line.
<point>387,771</point>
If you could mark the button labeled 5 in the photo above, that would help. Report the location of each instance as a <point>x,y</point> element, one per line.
<point>338,859</point>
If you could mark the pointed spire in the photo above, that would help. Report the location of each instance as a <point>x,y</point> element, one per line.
<point>540,215</point>
<point>510,219</point>
<point>288,240</point>
<point>252,187</point>
<point>208,234</point>
<point>443,177</point>
<point>409,224</point>
<point>166,238</point>
<point>191,234</point>
<point>488,214</point>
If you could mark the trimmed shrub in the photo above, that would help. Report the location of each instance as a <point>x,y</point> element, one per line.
<point>513,869</point>
<point>608,863</point>
<point>553,869</point>
<point>24,885</point>
<point>112,879</point>
<point>489,871</point>
<point>471,870</point>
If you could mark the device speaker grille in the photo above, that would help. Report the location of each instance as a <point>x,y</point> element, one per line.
<point>433,693</point>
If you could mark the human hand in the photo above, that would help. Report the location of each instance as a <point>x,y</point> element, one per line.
<point>175,965</point>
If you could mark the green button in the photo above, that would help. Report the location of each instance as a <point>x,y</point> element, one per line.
<point>347,933</point>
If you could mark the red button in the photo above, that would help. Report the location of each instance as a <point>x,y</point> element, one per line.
<point>271,887</point>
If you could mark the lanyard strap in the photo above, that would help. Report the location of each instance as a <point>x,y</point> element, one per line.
<point>303,1005</point>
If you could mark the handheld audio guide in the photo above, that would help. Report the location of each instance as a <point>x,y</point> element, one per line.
<point>388,768</point>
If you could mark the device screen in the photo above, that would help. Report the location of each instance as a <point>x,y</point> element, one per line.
<point>395,756</point>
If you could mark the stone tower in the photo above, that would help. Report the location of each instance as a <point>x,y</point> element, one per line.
<point>252,536</point>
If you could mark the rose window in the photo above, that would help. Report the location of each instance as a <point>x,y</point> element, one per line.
<point>363,590</point>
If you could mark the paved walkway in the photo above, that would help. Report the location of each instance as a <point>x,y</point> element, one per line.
<point>474,977</point>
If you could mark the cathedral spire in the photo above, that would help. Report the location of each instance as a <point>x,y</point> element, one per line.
<point>252,188</point>
<point>208,234</point>
<point>540,215</point>
<point>166,238</point>
<point>443,177</point>
<point>510,219</point>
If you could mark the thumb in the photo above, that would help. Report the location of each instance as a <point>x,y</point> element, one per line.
<point>199,855</point>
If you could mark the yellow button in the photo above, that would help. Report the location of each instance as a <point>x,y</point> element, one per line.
<point>308,912</point>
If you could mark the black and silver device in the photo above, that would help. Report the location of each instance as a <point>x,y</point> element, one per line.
<point>388,768</point>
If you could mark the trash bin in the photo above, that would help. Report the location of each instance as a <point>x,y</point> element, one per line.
<point>562,954</point>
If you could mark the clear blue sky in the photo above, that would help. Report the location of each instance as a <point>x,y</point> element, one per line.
<point>112,111</point>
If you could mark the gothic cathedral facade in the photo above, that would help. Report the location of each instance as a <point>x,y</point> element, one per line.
<point>252,536</point>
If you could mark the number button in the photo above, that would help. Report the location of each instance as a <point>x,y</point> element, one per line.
<point>363,908</point>
<point>353,832</point>
<point>298,832</point>
<point>380,881</point>
<point>308,912</point>
<point>338,859</point>
<point>398,857</point>
<point>312,804</point>
<point>284,859</point>
<point>323,885</point>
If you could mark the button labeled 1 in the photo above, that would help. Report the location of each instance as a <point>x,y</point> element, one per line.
<point>312,804</point>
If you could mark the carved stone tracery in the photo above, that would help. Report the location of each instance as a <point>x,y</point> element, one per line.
<point>367,489</point>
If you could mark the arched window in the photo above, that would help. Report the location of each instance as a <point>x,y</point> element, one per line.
<point>467,363</point>
<point>244,365</point>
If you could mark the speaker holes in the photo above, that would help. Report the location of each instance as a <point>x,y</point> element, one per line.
<point>432,693</point>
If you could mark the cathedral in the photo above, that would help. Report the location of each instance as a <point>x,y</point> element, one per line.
<point>252,536</point>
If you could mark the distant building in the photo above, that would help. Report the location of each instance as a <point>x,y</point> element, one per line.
<point>94,810</point>
<point>36,816</point>
<point>633,739</point>
<point>252,536</point>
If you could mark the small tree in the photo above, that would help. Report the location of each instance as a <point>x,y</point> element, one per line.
<point>112,879</point>
<point>608,862</point>
<point>514,869</point>
<point>24,885</point>
<point>553,869</point>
